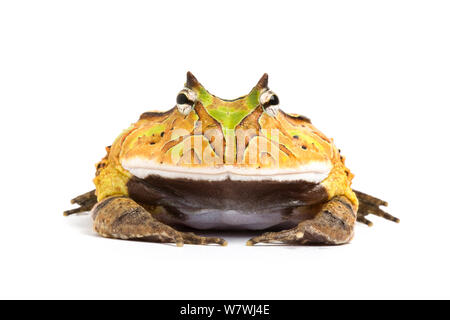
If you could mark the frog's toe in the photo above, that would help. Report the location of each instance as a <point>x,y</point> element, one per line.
<point>285,236</point>
<point>371,205</point>
<point>192,238</point>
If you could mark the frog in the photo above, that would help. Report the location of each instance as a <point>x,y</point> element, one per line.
<point>215,164</point>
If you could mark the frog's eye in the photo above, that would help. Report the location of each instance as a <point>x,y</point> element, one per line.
<point>270,102</point>
<point>186,100</point>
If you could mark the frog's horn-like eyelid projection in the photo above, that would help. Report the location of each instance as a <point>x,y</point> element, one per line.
<point>191,81</point>
<point>263,82</point>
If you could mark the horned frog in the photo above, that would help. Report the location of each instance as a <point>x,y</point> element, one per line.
<point>210,163</point>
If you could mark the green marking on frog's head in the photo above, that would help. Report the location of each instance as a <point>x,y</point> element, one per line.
<point>229,113</point>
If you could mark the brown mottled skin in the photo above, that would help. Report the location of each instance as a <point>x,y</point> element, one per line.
<point>126,206</point>
<point>122,218</point>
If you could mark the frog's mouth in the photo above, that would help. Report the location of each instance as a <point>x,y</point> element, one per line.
<point>312,172</point>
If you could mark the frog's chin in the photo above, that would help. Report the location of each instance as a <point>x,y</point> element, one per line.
<point>311,172</point>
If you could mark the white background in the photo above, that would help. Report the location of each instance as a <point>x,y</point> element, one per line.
<point>374,75</point>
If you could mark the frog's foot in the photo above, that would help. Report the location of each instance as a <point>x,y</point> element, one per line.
<point>371,205</point>
<point>86,202</point>
<point>192,238</point>
<point>121,217</point>
<point>331,226</point>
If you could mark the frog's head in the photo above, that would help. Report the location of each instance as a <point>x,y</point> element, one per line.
<point>206,137</point>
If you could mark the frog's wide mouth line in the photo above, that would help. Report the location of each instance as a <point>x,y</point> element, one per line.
<point>312,172</point>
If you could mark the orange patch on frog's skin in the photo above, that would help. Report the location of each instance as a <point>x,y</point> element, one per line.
<point>309,146</point>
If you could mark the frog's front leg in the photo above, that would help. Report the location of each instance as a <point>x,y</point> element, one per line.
<point>121,217</point>
<point>371,205</point>
<point>332,225</point>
